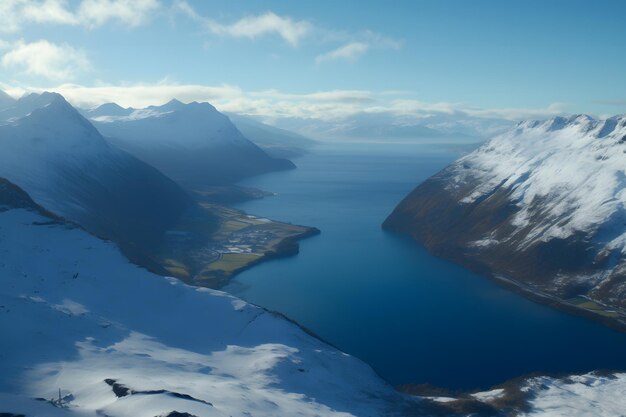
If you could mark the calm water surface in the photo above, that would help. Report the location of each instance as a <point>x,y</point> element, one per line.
<point>381,297</point>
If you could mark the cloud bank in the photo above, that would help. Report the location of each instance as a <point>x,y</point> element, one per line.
<point>349,52</point>
<point>14,14</point>
<point>45,59</point>
<point>293,32</point>
<point>290,30</point>
<point>274,104</point>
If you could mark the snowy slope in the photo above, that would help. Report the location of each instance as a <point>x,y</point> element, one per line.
<point>122,342</point>
<point>575,166</point>
<point>595,394</point>
<point>543,203</point>
<point>119,341</point>
<point>192,143</point>
<point>589,395</point>
<point>64,163</point>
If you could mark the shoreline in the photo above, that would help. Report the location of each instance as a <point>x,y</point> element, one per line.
<point>536,295</point>
<point>212,243</point>
<point>281,248</point>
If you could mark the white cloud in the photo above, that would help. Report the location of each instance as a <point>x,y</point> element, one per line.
<point>136,95</point>
<point>293,31</point>
<point>129,12</point>
<point>45,59</point>
<point>273,104</point>
<point>48,11</point>
<point>354,45</point>
<point>290,30</point>
<point>253,26</point>
<point>9,21</point>
<point>349,52</point>
<point>90,13</point>
<point>331,96</point>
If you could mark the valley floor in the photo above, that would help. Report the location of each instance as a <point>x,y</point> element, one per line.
<point>209,248</point>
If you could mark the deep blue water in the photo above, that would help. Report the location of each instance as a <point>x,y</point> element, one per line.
<point>381,297</point>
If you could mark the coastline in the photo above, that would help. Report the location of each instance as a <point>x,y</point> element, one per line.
<point>280,248</point>
<point>617,322</point>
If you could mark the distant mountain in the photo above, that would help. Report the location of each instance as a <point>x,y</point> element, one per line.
<point>193,143</point>
<point>541,207</point>
<point>65,165</point>
<point>391,127</point>
<point>279,143</point>
<point>108,110</point>
<point>5,100</point>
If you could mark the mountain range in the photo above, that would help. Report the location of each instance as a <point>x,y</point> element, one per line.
<point>541,207</point>
<point>85,332</point>
<point>59,158</point>
<point>375,126</point>
<point>193,144</point>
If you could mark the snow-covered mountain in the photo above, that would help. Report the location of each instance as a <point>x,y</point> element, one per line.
<point>116,340</point>
<point>542,206</point>
<point>86,333</point>
<point>57,156</point>
<point>193,143</point>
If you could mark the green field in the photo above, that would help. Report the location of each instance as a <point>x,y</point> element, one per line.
<point>233,261</point>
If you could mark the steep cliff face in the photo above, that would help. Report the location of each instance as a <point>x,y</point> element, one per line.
<point>66,166</point>
<point>543,204</point>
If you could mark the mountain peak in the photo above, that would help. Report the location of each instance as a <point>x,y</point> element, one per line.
<point>555,123</point>
<point>110,107</point>
<point>173,104</point>
<point>49,116</point>
<point>56,105</point>
<point>5,100</point>
<point>41,98</point>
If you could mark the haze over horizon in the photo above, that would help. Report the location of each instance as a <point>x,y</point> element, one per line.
<point>277,60</point>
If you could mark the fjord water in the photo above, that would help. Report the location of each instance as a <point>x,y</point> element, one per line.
<point>382,297</point>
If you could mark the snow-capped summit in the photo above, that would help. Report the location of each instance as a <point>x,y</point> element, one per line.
<point>62,161</point>
<point>174,104</point>
<point>543,203</point>
<point>192,143</point>
<point>57,124</point>
<point>108,109</point>
<point>26,104</point>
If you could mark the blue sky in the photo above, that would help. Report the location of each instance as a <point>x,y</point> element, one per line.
<point>511,59</point>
